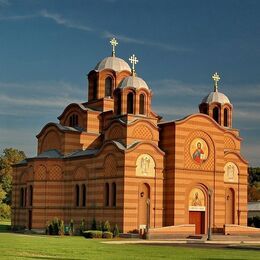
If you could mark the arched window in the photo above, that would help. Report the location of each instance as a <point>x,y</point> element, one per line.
<point>83,187</point>
<point>118,109</point>
<point>74,120</point>
<point>225,117</point>
<point>106,194</point>
<point>142,104</point>
<point>77,195</point>
<point>216,114</point>
<point>95,89</point>
<point>108,87</point>
<point>130,103</point>
<point>30,195</point>
<point>21,197</point>
<point>113,194</point>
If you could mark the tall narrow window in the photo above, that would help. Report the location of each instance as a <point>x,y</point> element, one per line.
<point>21,197</point>
<point>108,87</point>
<point>77,195</point>
<point>142,104</point>
<point>113,194</point>
<point>130,103</point>
<point>216,114</point>
<point>30,195</point>
<point>25,197</point>
<point>95,89</point>
<point>74,120</point>
<point>118,103</point>
<point>225,117</point>
<point>106,194</point>
<point>83,195</point>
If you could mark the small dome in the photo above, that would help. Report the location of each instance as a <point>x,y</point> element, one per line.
<point>216,97</point>
<point>113,63</point>
<point>134,82</point>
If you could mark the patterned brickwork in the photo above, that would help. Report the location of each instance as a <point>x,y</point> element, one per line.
<point>110,165</point>
<point>229,143</point>
<point>142,132</point>
<point>40,173</point>
<point>55,173</point>
<point>208,165</point>
<point>81,174</point>
<point>116,132</point>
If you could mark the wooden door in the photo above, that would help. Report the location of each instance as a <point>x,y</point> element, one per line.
<point>144,195</point>
<point>198,218</point>
<point>229,206</point>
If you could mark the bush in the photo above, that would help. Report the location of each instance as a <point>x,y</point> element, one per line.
<point>106,226</point>
<point>116,231</point>
<point>92,234</point>
<point>107,234</point>
<point>94,224</point>
<point>5,211</point>
<point>55,227</point>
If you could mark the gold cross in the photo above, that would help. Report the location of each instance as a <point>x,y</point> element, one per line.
<point>134,61</point>
<point>216,78</point>
<point>114,43</point>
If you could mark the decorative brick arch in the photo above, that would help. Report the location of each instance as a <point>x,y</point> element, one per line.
<point>51,141</point>
<point>110,165</point>
<point>40,173</point>
<point>115,132</point>
<point>55,173</point>
<point>189,163</point>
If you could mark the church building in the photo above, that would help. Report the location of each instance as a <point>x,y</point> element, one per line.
<point>113,158</point>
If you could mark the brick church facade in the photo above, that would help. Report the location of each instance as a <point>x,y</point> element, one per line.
<point>113,158</point>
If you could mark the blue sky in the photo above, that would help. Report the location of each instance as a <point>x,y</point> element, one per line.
<point>47,47</point>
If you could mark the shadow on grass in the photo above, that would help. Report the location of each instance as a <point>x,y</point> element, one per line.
<point>5,226</point>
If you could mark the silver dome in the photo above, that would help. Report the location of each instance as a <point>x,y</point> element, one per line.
<point>216,97</point>
<point>134,82</point>
<point>113,63</point>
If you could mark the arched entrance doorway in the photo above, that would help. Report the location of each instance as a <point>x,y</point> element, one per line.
<point>230,206</point>
<point>197,210</point>
<point>144,206</point>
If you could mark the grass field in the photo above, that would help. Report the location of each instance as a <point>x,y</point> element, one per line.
<point>18,246</point>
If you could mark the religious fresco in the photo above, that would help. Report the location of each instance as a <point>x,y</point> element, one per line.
<point>196,200</point>
<point>231,172</point>
<point>145,166</point>
<point>199,150</point>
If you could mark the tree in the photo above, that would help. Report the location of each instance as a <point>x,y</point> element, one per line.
<point>9,157</point>
<point>253,184</point>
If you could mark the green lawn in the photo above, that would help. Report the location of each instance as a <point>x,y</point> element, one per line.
<point>17,246</point>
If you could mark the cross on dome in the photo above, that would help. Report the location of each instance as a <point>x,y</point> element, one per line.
<point>114,43</point>
<point>134,61</point>
<point>216,78</point>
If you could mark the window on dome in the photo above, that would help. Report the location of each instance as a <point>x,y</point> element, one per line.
<point>142,104</point>
<point>108,87</point>
<point>216,114</point>
<point>225,117</point>
<point>74,120</point>
<point>130,103</point>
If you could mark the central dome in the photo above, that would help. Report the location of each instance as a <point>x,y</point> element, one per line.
<point>216,97</point>
<point>134,82</point>
<point>113,63</point>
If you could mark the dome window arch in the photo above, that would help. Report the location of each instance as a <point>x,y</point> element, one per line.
<point>108,86</point>
<point>216,114</point>
<point>95,89</point>
<point>130,103</point>
<point>118,102</point>
<point>226,112</point>
<point>142,104</point>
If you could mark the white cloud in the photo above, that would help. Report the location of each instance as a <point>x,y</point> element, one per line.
<point>65,22</point>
